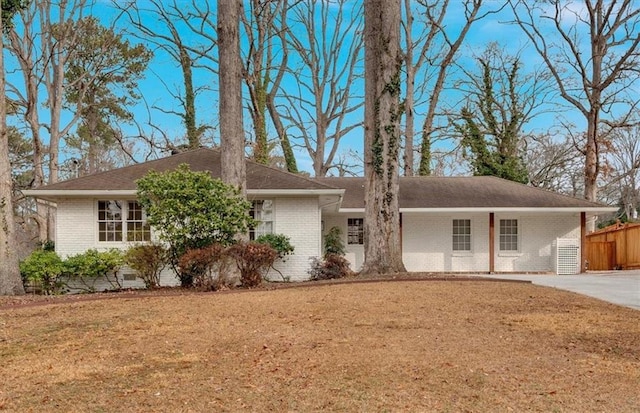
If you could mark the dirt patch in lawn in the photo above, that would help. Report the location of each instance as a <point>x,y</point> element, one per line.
<point>401,346</point>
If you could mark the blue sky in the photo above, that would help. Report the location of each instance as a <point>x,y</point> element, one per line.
<point>164,74</point>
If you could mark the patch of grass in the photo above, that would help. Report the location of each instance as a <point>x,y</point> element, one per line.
<point>400,346</point>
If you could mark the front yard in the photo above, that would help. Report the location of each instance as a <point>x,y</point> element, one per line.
<point>396,346</point>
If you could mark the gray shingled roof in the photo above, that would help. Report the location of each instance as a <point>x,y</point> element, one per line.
<point>415,192</point>
<point>461,192</point>
<point>122,179</point>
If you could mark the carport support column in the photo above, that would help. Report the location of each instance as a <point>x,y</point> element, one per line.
<point>492,243</point>
<point>583,241</point>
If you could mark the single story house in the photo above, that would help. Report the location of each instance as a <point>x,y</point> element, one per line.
<point>448,224</point>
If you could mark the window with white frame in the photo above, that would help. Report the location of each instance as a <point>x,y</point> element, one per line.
<point>137,227</point>
<point>508,235</point>
<point>355,231</point>
<point>262,212</point>
<point>122,220</point>
<point>461,235</point>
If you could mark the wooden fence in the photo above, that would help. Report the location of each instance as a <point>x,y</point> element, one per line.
<point>614,247</point>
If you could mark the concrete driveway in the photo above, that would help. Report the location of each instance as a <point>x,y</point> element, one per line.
<point>618,287</point>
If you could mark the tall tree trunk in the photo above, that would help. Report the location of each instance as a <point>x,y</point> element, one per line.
<point>193,135</point>
<point>285,143</point>
<point>230,78</point>
<point>24,52</point>
<point>10,281</point>
<point>383,253</point>
<point>410,70</point>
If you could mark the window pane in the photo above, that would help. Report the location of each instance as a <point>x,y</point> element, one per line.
<point>109,221</point>
<point>355,231</point>
<point>137,227</point>
<point>461,240</point>
<point>261,211</point>
<point>508,235</point>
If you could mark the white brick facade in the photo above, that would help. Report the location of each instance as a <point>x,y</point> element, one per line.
<point>427,242</point>
<point>426,239</point>
<point>297,218</point>
<point>537,236</point>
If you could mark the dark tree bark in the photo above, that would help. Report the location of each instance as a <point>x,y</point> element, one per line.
<point>383,61</point>
<point>230,78</point>
<point>10,281</point>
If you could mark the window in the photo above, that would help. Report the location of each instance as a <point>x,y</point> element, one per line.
<point>112,223</point>
<point>508,235</point>
<point>109,220</point>
<point>262,212</point>
<point>462,235</point>
<point>355,231</point>
<point>137,227</point>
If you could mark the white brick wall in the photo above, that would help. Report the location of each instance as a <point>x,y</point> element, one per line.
<point>427,243</point>
<point>76,226</point>
<point>299,219</point>
<point>426,239</point>
<point>537,235</point>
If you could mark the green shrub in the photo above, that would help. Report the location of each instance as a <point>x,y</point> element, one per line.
<point>332,266</point>
<point>148,261</point>
<point>279,242</point>
<point>93,265</point>
<point>204,268</point>
<point>282,244</point>
<point>192,210</point>
<point>333,243</point>
<point>43,269</point>
<point>252,259</point>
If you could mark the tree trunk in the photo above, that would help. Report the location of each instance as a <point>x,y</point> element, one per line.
<point>230,78</point>
<point>383,253</point>
<point>10,281</point>
<point>410,90</point>
<point>193,135</point>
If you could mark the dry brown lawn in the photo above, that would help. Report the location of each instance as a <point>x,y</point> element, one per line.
<point>443,346</point>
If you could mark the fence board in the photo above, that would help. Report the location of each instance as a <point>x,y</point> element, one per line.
<point>601,255</point>
<point>626,250</point>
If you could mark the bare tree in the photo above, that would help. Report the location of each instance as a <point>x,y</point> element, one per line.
<point>622,172</point>
<point>187,35</point>
<point>592,51</point>
<point>10,281</point>
<point>230,75</point>
<point>265,63</point>
<point>382,252</point>
<point>42,61</point>
<point>553,163</point>
<point>328,43</point>
<point>429,56</point>
<point>499,101</point>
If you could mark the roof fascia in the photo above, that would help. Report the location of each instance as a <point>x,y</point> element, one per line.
<point>602,209</point>
<point>74,193</point>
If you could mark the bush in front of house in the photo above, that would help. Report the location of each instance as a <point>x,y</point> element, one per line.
<point>282,244</point>
<point>86,269</point>
<point>279,242</point>
<point>329,267</point>
<point>252,259</point>
<point>206,267</point>
<point>43,270</point>
<point>148,261</point>
<point>333,243</point>
<point>333,264</point>
<point>192,210</point>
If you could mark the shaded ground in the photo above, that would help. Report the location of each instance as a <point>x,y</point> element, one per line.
<point>400,346</point>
